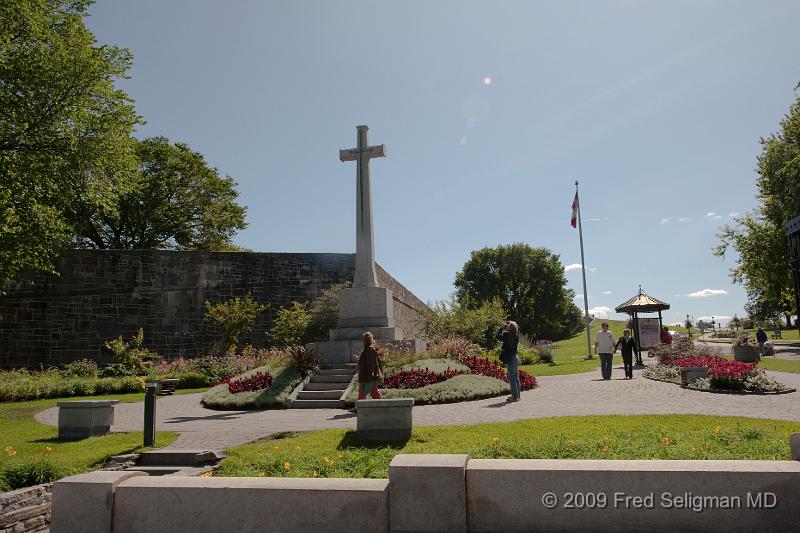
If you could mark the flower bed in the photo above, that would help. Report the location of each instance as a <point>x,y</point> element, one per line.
<point>723,374</point>
<point>253,382</point>
<point>414,378</point>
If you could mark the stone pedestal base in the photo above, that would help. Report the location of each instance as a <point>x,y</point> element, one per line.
<point>354,334</point>
<point>384,420</point>
<point>347,351</point>
<point>86,418</point>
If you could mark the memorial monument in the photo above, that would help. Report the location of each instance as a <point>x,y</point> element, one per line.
<point>365,306</point>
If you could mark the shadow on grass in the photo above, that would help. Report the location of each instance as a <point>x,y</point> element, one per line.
<point>350,442</point>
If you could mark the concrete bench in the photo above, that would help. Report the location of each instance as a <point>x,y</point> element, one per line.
<point>384,420</point>
<point>85,418</point>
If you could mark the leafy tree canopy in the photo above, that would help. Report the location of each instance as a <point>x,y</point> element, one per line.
<point>65,144</point>
<point>176,201</point>
<point>530,285</point>
<point>759,238</point>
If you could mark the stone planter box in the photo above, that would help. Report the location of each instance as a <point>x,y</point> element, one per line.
<point>384,420</point>
<point>746,354</point>
<point>85,418</point>
<point>690,374</point>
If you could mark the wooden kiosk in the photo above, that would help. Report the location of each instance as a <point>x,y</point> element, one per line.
<point>642,303</point>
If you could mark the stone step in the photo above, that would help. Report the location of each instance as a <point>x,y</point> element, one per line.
<point>315,404</point>
<point>320,394</point>
<point>324,386</point>
<point>346,378</point>
<point>179,457</point>
<point>170,470</point>
<point>352,366</point>
<point>335,372</point>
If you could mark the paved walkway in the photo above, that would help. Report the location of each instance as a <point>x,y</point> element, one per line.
<point>574,394</point>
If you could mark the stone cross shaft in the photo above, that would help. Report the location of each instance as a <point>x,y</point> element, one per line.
<point>365,275</point>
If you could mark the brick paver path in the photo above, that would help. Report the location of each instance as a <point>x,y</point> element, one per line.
<point>575,394</point>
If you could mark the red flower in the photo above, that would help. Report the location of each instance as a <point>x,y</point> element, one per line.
<point>254,382</point>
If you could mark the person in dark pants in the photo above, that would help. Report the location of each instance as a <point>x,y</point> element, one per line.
<point>604,343</point>
<point>509,336</point>
<point>627,344</point>
<point>761,337</point>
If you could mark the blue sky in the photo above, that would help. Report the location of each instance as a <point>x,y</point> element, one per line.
<point>657,107</point>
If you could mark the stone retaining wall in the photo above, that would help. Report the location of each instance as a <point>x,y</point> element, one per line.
<point>99,295</point>
<point>26,509</point>
<point>448,492</point>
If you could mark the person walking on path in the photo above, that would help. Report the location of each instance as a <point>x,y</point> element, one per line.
<point>627,344</point>
<point>509,336</point>
<point>761,337</point>
<point>604,346</point>
<point>370,369</point>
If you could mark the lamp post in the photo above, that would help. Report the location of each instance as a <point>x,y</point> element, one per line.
<point>713,326</point>
<point>689,326</point>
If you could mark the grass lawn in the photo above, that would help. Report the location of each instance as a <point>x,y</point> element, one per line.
<point>337,453</point>
<point>23,440</point>
<point>570,354</point>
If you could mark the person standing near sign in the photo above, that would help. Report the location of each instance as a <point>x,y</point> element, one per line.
<point>627,344</point>
<point>605,346</point>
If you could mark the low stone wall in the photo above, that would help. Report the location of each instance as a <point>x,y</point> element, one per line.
<point>427,492</point>
<point>26,509</point>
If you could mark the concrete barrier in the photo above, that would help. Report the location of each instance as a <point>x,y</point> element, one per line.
<point>85,418</point>
<point>674,496</point>
<point>448,493</point>
<point>384,420</point>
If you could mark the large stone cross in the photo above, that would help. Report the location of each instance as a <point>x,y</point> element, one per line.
<point>365,275</point>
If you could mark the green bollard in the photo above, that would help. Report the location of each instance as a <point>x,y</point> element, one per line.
<point>150,413</point>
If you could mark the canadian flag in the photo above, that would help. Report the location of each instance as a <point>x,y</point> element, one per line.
<point>574,220</point>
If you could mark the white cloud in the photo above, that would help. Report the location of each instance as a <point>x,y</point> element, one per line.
<point>594,219</point>
<point>733,214</point>
<point>577,296</point>
<point>705,293</point>
<point>600,311</point>
<point>665,220</point>
<point>720,318</point>
<point>676,295</point>
<point>712,214</point>
<point>573,266</point>
<point>607,292</point>
<point>684,219</point>
<point>593,269</point>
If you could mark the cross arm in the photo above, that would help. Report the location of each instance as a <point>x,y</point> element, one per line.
<point>379,150</point>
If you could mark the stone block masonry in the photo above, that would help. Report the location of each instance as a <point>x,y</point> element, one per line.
<point>99,295</point>
<point>26,510</point>
<point>449,493</point>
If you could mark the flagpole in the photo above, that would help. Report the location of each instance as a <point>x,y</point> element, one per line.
<point>583,271</point>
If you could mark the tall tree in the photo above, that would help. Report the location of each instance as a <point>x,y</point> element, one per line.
<point>177,201</point>
<point>530,284</point>
<point>65,145</point>
<point>759,237</point>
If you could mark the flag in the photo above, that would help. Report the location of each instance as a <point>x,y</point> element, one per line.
<point>574,220</point>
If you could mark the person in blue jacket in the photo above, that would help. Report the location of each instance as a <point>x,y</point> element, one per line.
<point>509,336</point>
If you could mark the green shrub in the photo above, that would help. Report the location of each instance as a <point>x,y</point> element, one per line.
<point>127,357</point>
<point>192,380</point>
<point>84,368</point>
<point>291,325</point>
<point>477,324</point>
<point>325,313</point>
<point>16,475</point>
<point>527,356</point>
<point>234,317</point>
